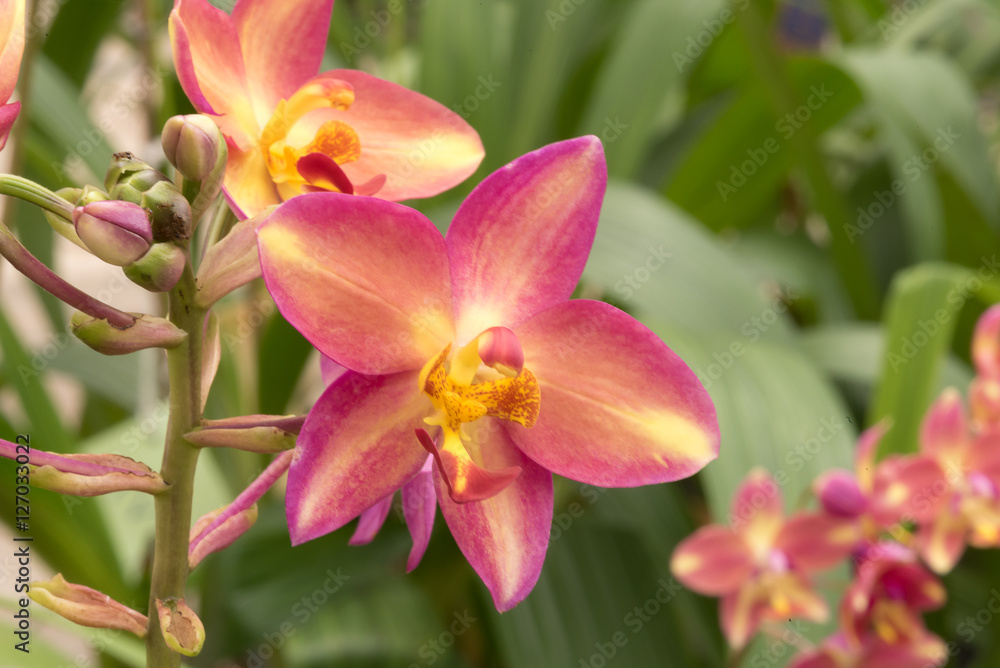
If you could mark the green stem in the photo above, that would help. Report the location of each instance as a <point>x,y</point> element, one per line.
<point>173,507</point>
<point>29,191</point>
<point>785,98</point>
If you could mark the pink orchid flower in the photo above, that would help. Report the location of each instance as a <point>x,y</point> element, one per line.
<point>890,590</point>
<point>881,496</point>
<point>964,494</point>
<point>291,130</point>
<point>925,651</point>
<point>469,349</point>
<point>761,566</point>
<point>11,50</point>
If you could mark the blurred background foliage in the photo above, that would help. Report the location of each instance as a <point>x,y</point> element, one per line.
<point>804,205</point>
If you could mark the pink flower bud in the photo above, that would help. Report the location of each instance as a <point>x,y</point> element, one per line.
<point>86,606</point>
<point>182,630</point>
<point>205,541</point>
<point>117,232</point>
<point>500,349</point>
<point>191,144</point>
<point>840,495</point>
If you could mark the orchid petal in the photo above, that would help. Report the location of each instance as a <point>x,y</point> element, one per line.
<point>282,45</point>
<point>421,147</point>
<point>419,507</point>
<point>504,537</point>
<point>520,240</point>
<point>986,343</point>
<point>209,63</point>
<point>248,183</point>
<point>356,448</point>
<point>713,560</point>
<point>814,542</point>
<point>942,543</point>
<point>371,521</point>
<point>908,488</point>
<point>8,114</point>
<point>366,281</point>
<point>865,454</point>
<point>329,370</point>
<point>466,480</point>
<point>11,47</point>
<point>945,430</point>
<point>757,510</point>
<point>618,407</point>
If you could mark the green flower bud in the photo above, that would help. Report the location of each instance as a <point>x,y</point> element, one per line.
<point>159,269</point>
<point>147,332</point>
<point>192,144</point>
<point>132,180</point>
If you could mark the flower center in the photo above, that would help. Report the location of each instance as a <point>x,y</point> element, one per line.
<point>484,379</point>
<point>314,165</point>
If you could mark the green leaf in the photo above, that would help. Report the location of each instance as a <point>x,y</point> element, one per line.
<point>920,315</point>
<point>74,36</point>
<point>648,55</point>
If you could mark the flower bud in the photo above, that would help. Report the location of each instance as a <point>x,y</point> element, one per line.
<point>159,269</point>
<point>132,180</point>
<point>182,630</point>
<point>147,332</point>
<point>117,232</point>
<point>85,606</point>
<point>840,495</point>
<point>251,439</point>
<point>192,144</point>
<point>203,543</point>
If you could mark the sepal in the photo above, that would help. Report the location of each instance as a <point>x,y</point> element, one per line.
<point>182,630</point>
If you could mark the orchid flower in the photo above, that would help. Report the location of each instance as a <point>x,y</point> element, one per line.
<point>880,496</point>
<point>924,651</point>
<point>964,494</point>
<point>891,588</point>
<point>468,348</point>
<point>761,566</point>
<point>11,50</point>
<point>291,130</point>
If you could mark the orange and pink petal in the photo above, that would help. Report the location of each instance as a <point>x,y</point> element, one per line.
<point>419,507</point>
<point>815,541</point>
<point>519,242</point>
<point>713,561</point>
<point>505,537</point>
<point>618,407</point>
<point>365,281</point>
<point>355,449</point>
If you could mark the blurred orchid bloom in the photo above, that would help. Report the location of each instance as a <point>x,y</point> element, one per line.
<point>11,50</point>
<point>964,494</point>
<point>925,651</point>
<point>984,393</point>
<point>761,566</point>
<point>472,344</point>
<point>890,590</point>
<point>880,496</point>
<point>291,130</point>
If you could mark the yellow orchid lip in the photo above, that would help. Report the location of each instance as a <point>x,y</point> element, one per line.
<point>458,400</point>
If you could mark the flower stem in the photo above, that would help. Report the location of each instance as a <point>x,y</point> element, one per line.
<point>29,191</point>
<point>173,507</point>
<point>48,280</point>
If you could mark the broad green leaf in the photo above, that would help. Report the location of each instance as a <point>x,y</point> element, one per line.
<point>920,316</point>
<point>648,54</point>
<point>76,33</point>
